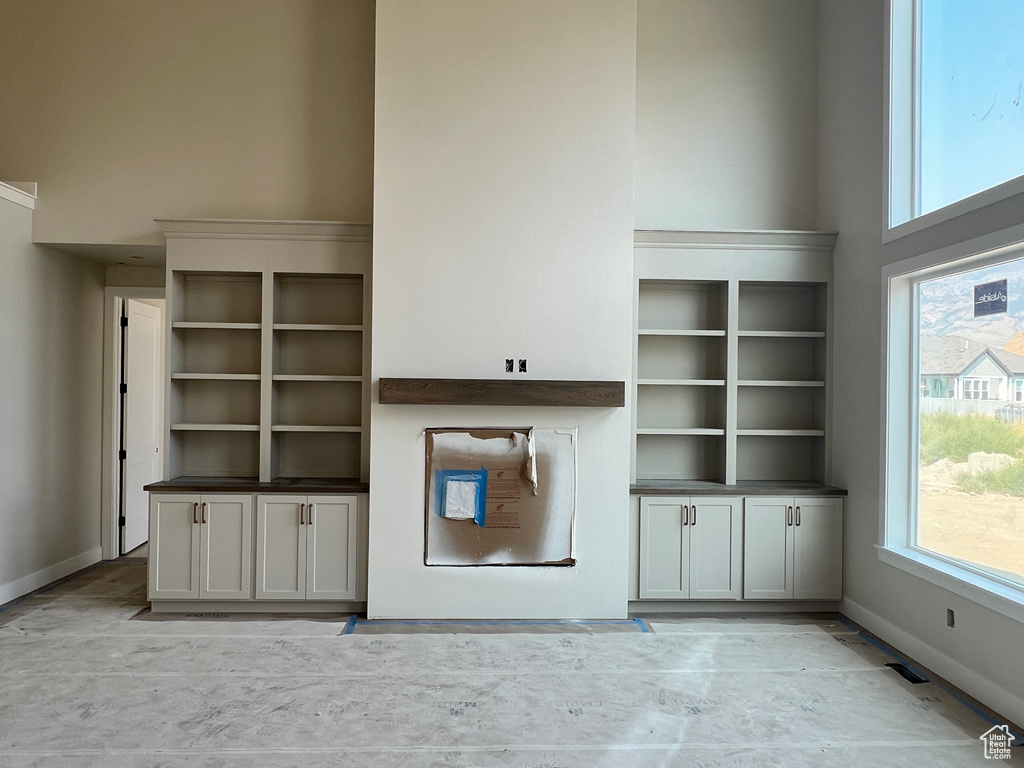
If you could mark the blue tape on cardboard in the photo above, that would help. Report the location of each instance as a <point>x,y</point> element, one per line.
<point>461,494</point>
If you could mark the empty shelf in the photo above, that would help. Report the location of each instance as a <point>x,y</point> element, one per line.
<point>187,325</point>
<point>677,332</point>
<point>778,383</point>
<point>312,428</point>
<point>315,327</point>
<point>216,376</point>
<point>681,382</point>
<point>216,427</point>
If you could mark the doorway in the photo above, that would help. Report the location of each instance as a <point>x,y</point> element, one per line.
<point>134,416</point>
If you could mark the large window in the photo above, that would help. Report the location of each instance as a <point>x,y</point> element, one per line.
<point>955,106</point>
<point>955,479</point>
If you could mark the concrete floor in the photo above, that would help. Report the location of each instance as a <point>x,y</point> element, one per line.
<point>84,684</point>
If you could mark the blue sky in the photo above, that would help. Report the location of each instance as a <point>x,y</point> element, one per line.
<point>972,97</point>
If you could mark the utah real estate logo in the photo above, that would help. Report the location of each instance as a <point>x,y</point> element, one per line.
<point>997,740</point>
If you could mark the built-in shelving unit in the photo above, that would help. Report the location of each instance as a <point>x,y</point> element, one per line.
<point>267,349</point>
<point>731,357</point>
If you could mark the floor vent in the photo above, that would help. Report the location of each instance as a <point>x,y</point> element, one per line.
<point>906,674</point>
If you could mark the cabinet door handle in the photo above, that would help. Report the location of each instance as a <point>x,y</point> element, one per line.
<point>309,517</point>
<point>789,515</point>
<point>686,515</point>
<point>693,518</point>
<point>204,513</point>
<point>302,512</point>
<point>195,511</point>
<point>798,515</point>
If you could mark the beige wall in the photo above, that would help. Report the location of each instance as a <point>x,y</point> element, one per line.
<point>503,227</point>
<point>726,104</point>
<point>126,110</point>
<point>51,345</point>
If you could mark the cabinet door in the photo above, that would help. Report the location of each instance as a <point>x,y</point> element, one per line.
<point>280,548</point>
<point>818,549</point>
<point>331,548</point>
<point>226,547</point>
<point>664,545</point>
<point>767,549</point>
<point>173,547</point>
<point>715,548</point>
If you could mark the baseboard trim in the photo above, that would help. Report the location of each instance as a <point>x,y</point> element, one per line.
<point>20,587</point>
<point>963,677</point>
<point>746,607</point>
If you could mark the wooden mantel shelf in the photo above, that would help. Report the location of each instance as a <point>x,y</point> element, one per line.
<point>534,392</point>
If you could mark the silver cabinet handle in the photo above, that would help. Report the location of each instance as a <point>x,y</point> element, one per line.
<point>798,515</point>
<point>302,511</point>
<point>195,511</point>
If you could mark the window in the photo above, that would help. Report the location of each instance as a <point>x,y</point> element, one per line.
<point>956,117</point>
<point>955,479</point>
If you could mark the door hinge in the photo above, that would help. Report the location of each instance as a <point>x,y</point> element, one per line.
<point>122,455</point>
<point>124,321</point>
<point>121,521</point>
<point>123,388</point>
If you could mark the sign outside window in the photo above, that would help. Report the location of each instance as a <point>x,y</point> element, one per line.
<point>990,298</point>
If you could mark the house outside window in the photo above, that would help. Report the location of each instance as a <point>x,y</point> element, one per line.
<point>1018,391</point>
<point>976,389</point>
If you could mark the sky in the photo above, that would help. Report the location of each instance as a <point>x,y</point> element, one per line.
<point>972,89</point>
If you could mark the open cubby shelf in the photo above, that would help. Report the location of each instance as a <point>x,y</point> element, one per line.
<point>266,374</point>
<point>731,375</point>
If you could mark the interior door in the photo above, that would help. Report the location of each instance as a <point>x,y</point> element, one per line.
<point>142,418</point>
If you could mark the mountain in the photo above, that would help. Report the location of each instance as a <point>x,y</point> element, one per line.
<point>947,306</point>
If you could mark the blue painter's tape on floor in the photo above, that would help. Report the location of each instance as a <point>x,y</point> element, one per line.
<point>643,627</point>
<point>350,626</point>
<point>1018,741</point>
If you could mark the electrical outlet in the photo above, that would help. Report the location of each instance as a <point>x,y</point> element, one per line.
<point>950,618</point>
<point>522,365</point>
<point>509,365</point>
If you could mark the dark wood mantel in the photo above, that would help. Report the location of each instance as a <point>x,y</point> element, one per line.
<point>531,392</point>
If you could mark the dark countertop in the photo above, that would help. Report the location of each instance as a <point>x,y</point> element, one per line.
<point>744,488</point>
<point>187,484</point>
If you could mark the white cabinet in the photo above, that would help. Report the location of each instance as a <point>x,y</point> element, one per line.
<point>200,547</point>
<point>306,547</point>
<point>690,548</point>
<point>793,548</point>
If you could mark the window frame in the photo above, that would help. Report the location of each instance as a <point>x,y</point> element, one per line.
<point>900,445</point>
<point>902,113</point>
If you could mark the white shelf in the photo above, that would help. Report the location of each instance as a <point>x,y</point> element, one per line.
<point>216,376</point>
<point>778,383</point>
<point>684,431</point>
<point>781,432</point>
<point>312,428</point>
<point>676,332</point>
<point>680,382</point>
<point>314,377</point>
<point>783,334</point>
<point>189,325</point>
<point>316,327</point>
<point>215,427</point>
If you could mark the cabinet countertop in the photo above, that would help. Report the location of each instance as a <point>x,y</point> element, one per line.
<point>189,484</point>
<point>744,488</point>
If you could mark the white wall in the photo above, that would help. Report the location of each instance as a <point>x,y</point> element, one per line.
<point>503,220</point>
<point>126,110</point>
<point>984,654</point>
<point>726,102</point>
<point>51,348</point>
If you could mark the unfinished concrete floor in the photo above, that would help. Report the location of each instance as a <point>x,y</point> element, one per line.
<point>85,685</point>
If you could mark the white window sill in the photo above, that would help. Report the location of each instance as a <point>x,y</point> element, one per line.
<point>1000,598</point>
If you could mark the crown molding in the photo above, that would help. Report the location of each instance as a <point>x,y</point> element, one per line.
<point>262,229</point>
<point>734,240</point>
<point>13,192</point>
